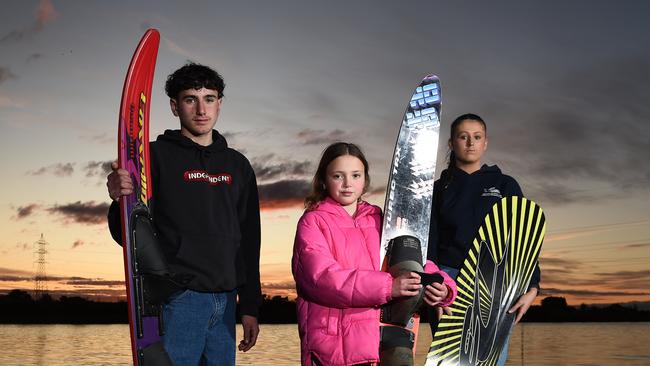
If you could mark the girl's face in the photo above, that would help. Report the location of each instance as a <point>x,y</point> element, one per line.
<point>345,180</point>
<point>468,143</point>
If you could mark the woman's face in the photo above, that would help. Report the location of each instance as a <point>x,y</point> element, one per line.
<point>468,143</point>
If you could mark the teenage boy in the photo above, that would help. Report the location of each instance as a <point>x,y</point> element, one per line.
<point>205,208</point>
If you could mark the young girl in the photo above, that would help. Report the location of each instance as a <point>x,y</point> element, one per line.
<point>336,266</point>
<point>463,195</point>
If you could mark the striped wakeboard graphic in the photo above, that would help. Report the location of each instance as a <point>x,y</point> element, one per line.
<point>495,273</point>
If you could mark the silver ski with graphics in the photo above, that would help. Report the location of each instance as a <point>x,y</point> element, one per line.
<point>407,214</point>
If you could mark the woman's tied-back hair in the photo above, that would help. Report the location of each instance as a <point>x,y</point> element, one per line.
<point>318,189</point>
<point>194,76</point>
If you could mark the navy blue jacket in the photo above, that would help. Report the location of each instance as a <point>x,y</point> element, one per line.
<point>461,202</point>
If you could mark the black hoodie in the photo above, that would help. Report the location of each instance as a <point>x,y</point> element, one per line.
<point>461,202</point>
<point>205,207</point>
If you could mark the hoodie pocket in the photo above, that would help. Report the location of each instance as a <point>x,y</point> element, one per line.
<point>210,257</point>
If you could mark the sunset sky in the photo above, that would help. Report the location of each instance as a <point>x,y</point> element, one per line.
<point>564,87</point>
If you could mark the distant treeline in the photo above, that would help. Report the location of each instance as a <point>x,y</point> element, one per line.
<point>555,309</point>
<point>18,307</point>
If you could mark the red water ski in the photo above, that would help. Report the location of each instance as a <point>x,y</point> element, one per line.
<point>133,156</point>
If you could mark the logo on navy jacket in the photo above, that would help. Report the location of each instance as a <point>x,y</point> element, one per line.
<point>491,192</point>
<point>203,176</point>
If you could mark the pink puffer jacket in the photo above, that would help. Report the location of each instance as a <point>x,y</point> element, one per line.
<point>340,286</point>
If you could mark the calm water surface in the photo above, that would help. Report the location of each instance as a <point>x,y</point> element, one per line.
<point>582,344</point>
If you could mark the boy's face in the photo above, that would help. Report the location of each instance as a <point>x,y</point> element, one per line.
<point>198,111</point>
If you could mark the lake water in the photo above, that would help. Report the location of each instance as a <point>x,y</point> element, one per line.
<point>545,344</point>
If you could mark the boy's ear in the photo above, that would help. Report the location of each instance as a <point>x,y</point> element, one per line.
<point>174,106</point>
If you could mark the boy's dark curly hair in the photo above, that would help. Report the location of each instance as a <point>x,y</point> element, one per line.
<point>193,76</point>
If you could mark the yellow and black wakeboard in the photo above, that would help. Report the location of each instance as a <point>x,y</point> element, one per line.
<point>495,273</point>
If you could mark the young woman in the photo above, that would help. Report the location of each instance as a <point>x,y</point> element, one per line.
<point>463,195</point>
<point>336,266</point>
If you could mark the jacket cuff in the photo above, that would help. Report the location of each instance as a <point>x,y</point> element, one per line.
<point>451,296</point>
<point>248,309</point>
<point>452,290</point>
<point>532,286</point>
<point>388,287</point>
